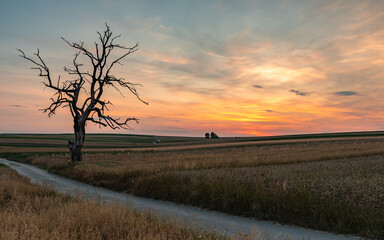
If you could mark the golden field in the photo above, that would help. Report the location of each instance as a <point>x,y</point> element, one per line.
<point>330,183</point>
<point>29,211</point>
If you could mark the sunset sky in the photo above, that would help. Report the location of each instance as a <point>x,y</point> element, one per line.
<point>235,67</point>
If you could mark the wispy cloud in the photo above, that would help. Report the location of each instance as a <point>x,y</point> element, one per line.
<point>346,93</point>
<point>244,68</point>
<point>16,106</point>
<point>300,93</point>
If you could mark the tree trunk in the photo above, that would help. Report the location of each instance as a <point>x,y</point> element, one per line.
<point>75,147</point>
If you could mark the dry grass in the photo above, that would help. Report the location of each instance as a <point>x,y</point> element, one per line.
<point>359,181</point>
<point>335,185</point>
<point>97,143</point>
<point>230,157</point>
<point>32,212</point>
<point>14,149</point>
<point>344,196</point>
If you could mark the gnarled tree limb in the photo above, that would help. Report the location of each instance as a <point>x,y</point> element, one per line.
<point>83,91</point>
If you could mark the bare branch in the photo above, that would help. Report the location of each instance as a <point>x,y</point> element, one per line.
<point>130,86</point>
<point>80,47</point>
<point>44,72</point>
<point>83,91</point>
<point>130,50</point>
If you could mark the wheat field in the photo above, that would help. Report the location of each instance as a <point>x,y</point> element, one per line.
<point>29,211</point>
<point>333,184</point>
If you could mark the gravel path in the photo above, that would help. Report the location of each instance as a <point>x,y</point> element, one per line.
<point>206,219</point>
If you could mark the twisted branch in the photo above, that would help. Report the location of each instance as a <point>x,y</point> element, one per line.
<point>67,93</point>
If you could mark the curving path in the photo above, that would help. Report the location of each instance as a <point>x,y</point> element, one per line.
<point>206,219</point>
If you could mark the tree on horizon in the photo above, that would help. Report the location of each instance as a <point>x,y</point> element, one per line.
<point>82,94</point>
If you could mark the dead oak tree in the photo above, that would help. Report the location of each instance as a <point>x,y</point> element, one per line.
<point>83,93</point>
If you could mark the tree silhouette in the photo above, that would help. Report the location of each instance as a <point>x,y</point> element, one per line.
<point>83,93</point>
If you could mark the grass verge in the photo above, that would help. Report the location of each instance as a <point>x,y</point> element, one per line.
<point>30,211</point>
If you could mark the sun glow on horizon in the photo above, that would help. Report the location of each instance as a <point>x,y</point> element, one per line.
<point>250,68</point>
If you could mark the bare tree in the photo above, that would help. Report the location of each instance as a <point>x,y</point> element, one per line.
<point>83,93</point>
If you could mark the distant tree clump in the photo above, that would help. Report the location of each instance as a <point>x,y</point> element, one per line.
<point>213,135</point>
<point>83,92</point>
